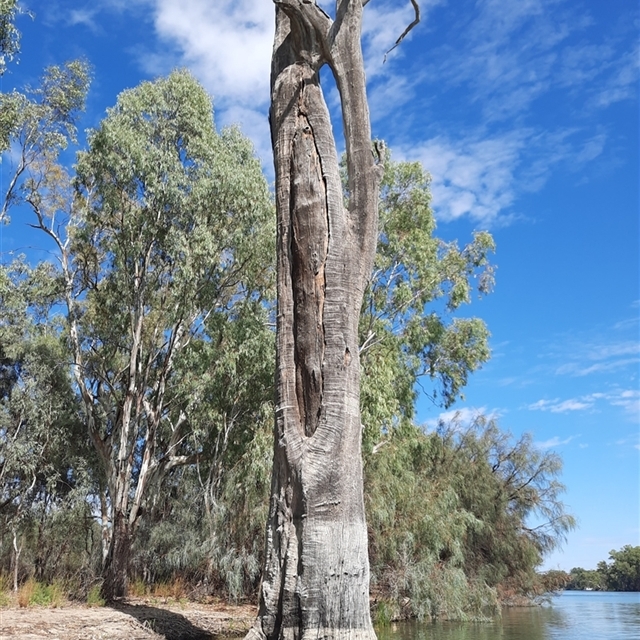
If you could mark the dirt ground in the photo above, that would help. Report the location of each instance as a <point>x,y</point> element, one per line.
<point>130,620</point>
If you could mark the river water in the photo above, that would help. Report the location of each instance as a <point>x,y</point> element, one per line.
<point>572,615</point>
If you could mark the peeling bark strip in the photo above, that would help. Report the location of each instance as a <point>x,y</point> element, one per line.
<point>316,576</point>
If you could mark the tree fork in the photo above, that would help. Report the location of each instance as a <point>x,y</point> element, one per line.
<point>316,576</point>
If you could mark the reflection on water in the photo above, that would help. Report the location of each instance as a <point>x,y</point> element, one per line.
<point>573,615</point>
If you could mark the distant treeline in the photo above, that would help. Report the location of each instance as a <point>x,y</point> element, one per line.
<point>621,573</point>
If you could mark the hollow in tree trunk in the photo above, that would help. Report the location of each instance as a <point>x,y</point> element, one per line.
<point>316,577</point>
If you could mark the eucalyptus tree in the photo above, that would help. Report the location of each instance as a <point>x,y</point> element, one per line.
<point>409,330</point>
<point>172,233</point>
<point>316,576</point>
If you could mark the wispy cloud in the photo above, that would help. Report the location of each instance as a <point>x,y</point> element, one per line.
<point>632,440</point>
<point>482,176</point>
<point>515,52</point>
<point>564,406</point>
<point>85,17</point>
<point>554,442</point>
<point>628,399</point>
<point>473,177</point>
<point>601,357</point>
<point>503,57</point>
<point>463,417</point>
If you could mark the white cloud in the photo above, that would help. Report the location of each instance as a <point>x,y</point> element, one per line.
<point>622,83</point>
<point>516,52</point>
<point>554,442</point>
<point>473,177</point>
<point>557,406</point>
<point>510,52</point>
<point>482,176</point>
<point>462,418</point>
<point>628,399</point>
<point>504,56</point>
<point>227,44</point>
<point>602,357</point>
<point>575,369</point>
<point>83,16</point>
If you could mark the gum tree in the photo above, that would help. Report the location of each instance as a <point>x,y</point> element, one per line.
<point>169,239</point>
<point>316,577</point>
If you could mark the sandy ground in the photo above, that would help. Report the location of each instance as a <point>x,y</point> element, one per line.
<point>132,620</point>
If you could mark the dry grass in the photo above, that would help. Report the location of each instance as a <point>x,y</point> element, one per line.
<point>25,593</point>
<point>36,593</point>
<point>176,589</point>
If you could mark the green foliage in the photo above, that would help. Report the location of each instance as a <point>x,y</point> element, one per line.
<point>160,304</point>
<point>47,595</point>
<point>172,247</point>
<point>171,253</point>
<point>9,35</point>
<point>449,514</point>
<point>41,123</point>
<point>417,530</point>
<point>94,599</point>
<point>584,579</point>
<point>622,572</point>
<point>39,413</point>
<point>406,329</point>
<point>508,485</point>
<point>554,580</point>
<point>209,527</point>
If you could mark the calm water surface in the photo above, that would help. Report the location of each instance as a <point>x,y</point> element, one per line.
<point>573,615</point>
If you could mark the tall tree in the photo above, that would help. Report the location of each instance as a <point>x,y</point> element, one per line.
<point>316,577</point>
<point>172,226</point>
<point>622,573</point>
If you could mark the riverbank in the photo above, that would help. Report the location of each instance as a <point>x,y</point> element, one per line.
<point>132,619</point>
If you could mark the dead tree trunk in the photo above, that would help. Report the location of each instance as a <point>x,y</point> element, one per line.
<point>316,578</point>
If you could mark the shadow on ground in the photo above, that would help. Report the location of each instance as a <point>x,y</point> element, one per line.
<point>169,624</point>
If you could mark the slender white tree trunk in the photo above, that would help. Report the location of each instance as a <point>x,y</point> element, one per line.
<point>17,550</point>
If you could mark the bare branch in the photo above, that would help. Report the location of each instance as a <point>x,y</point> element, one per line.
<point>416,8</point>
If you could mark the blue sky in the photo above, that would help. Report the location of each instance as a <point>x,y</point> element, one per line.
<point>526,114</point>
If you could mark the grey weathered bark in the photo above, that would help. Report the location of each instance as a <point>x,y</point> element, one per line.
<point>117,561</point>
<point>316,577</point>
